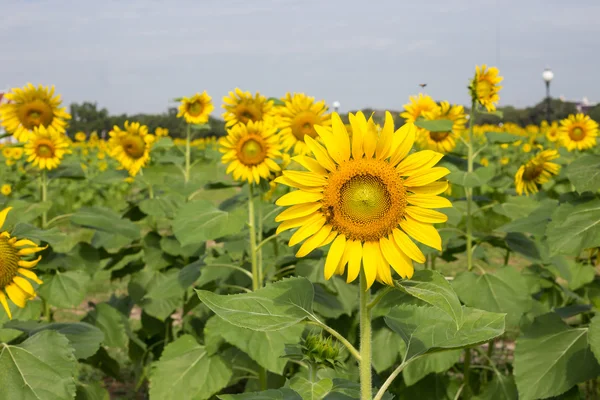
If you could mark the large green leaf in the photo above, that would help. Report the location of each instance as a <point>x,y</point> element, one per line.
<point>40,368</point>
<point>504,291</point>
<point>516,207</point>
<point>186,371</point>
<point>437,125</point>
<point>502,137</point>
<point>271,394</point>
<point>477,178</point>
<point>276,306</point>
<point>60,242</point>
<point>164,207</point>
<point>551,357</point>
<point>594,336</point>
<point>200,221</point>
<point>84,338</point>
<point>159,293</point>
<point>420,367</point>
<point>534,223</point>
<point>65,289</point>
<point>111,322</point>
<point>106,220</point>
<point>501,387</point>
<point>311,390</point>
<point>427,329</point>
<point>584,173</point>
<point>574,228</point>
<point>388,347</point>
<point>433,288</point>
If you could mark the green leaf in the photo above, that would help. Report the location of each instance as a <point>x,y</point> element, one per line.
<point>516,207</point>
<point>594,336</point>
<point>162,207</point>
<point>60,242</point>
<point>437,125</point>
<point>271,394</point>
<point>111,322</point>
<point>91,391</point>
<point>427,329</point>
<point>311,390</point>
<point>276,306</point>
<point>84,338</point>
<point>106,220</point>
<point>420,367</point>
<point>520,243</point>
<point>574,228</point>
<point>433,288</point>
<point>502,137</point>
<point>40,368</point>
<point>200,221</point>
<point>388,347</point>
<point>504,291</point>
<point>584,173</point>
<point>185,371</point>
<point>534,223</point>
<point>501,387</point>
<point>158,293</point>
<point>110,177</point>
<point>551,357</point>
<point>432,387</point>
<point>65,289</point>
<point>479,177</point>
<point>276,101</point>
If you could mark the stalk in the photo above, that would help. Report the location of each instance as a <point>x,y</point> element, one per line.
<point>365,340</point>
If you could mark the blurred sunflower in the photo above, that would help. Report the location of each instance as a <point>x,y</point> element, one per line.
<point>46,147</point>
<point>578,132</point>
<point>536,171</point>
<point>504,160</point>
<point>80,136</point>
<point>29,107</point>
<point>161,132</point>
<point>6,190</point>
<point>242,107</point>
<point>250,150</point>
<point>131,147</point>
<point>14,269</point>
<point>553,132</point>
<point>297,119</point>
<point>417,107</point>
<point>196,109</point>
<point>443,142</point>
<point>484,86</point>
<point>367,197</point>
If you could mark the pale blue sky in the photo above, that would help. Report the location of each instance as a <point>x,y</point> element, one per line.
<point>134,56</point>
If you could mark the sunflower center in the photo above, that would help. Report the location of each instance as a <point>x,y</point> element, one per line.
<point>438,136</point>
<point>195,108</point>
<point>44,148</point>
<point>532,172</point>
<point>134,146</point>
<point>484,89</point>
<point>364,199</point>
<point>576,134</point>
<point>303,124</point>
<point>252,150</point>
<point>35,113</point>
<point>248,112</point>
<point>9,262</point>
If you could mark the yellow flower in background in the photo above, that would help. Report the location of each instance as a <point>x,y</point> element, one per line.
<point>242,107</point>
<point>578,132</point>
<point>196,109</point>
<point>7,152</point>
<point>484,161</point>
<point>504,160</point>
<point>504,146</point>
<point>17,153</point>
<point>6,189</point>
<point>30,107</point>
<point>131,147</point>
<point>526,148</point>
<point>46,147</point>
<point>418,106</point>
<point>14,268</point>
<point>80,136</point>
<point>297,119</point>
<point>443,142</point>
<point>102,166</point>
<point>553,132</point>
<point>161,132</point>
<point>251,150</point>
<point>367,197</point>
<point>484,86</point>
<point>536,171</point>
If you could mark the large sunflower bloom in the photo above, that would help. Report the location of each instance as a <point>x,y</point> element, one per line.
<point>367,197</point>
<point>131,147</point>
<point>46,147</point>
<point>196,109</point>
<point>29,107</point>
<point>484,86</point>
<point>242,107</point>
<point>417,107</point>
<point>443,142</point>
<point>297,119</point>
<point>14,269</point>
<point>536,171</point>
<point>578,132</point>
<point>250,150</point>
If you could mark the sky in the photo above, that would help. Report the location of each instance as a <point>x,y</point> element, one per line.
<point>134,56</point>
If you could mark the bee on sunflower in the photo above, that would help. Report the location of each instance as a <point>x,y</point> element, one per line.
<point>578,132</point>
<point>242,107</point>
<point>484,86</point>
<point>536,171</point>
<point>131,146</point>
<point>195,109</point>
<point>46,147</point>
<point>444,142</point>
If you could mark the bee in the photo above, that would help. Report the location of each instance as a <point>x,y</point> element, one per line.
<point>422,85</point>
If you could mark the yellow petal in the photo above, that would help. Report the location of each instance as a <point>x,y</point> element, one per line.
<point>403,141</point>
<point>357,136</point>
<point>31,250</point>
<point>328,138</point>
<point>306,178</point>
<point>423,233</point>
<point>426,201</point>
<point>25,242</point>
<point>425,215</point>
<point>370,139</point>
<point>427,176</point>
<point>314,241</point>
<point>418,161</point>
<point>298,197</point>
<point>320,153</point>
<point>29,264</point>
<point>397,259</point>
<point>385,138</point>
<point>370,261</point>
<point>297,211</point>
<point>340,135</point>
<point>24,285</point>
<point>284,180</point>
<point>354,260</point>
<point>3,215</point>
<point>432,188</point>
<point>407,246</point>
<point>384,273</point>
<point>334,256</point>
<point>16,295</point>
<point>329,238</point>
<point>30,274</point>
<point>341,267</point>
<point>5,304</point>
<point>307,230</point>
<point>311,164</point>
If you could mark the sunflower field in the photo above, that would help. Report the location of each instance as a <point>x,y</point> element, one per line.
<point>304,255</point>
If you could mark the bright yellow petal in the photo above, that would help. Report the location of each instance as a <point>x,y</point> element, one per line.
<point>357,136</point>
<point>320,153</point>
<point>298,197</point>
<point>426,201</point>
<point>306,178</point>
<point>3,215</point>
<point>418,162</point>
<point>311,164</point>
<point>16,295</point>
<point>24,285</point>
<point>370,253</point>
<point>426,176</point>
<point>297,211</point>
<point>29,264</point>
<point>431,188</point>
<point>334,256</point>
<point>30,274</point>
<point>384,273</point>
<point>396,258</point>
<point>423,233</point>
<point>402,142</point>
<point>426,215</point>
<point>370,139</point>
<point>5,304</point>
<point>385,138</point>
<point>407,246</point>
<point>314,241</point>
<point>307,230</point>
<point>355,258</point>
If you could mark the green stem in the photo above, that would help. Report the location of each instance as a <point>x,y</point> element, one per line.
<point>252,227</point>
<point>44,197</point>
<point>389,381</point>
<point>265,241</point>
<point>469,191</point>
<point>187,154</point>
<point>467,372</point>
<point>380,294</point>
<point>365,339</point>
<point>259,239</point>
<point>339,337</point>
<point>262,378</point>
<point>312,372</point>
<point>433,257</point>
<point>506,256</point>
<point>231,266</point>
<point>47,312</point>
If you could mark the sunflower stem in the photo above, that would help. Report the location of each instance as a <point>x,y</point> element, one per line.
<point>252,227</point>
<point>44,198</point>
<point>258,248</point>
<point>187,154</point>
<point>365,340</point>
<point>469,191</point>
<point>467,372</point>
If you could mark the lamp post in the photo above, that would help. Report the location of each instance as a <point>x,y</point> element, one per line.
<point>336,106</point>
<point>547,75</point>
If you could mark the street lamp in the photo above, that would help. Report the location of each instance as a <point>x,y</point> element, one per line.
<point>336,105</point>
<point>547,75</point>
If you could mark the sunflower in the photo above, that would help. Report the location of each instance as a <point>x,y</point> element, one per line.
<point>46,147</point>
<point>367,197</point>
<point>536,171</point>
<point>553,132</point>
<point>131,147</point>
<point>14,269</point>
<point>417,107</point>
<point>80,136</point>
<point>250,150</point>
<point>161,132</point>
<point>196,109</point>
<point>443,142</point>
<point>6,190</point>
<point>242,107</point>
<point>578,132</point>
<point>484,86</point>
<point>297,119</point>
<point>29,107</point>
